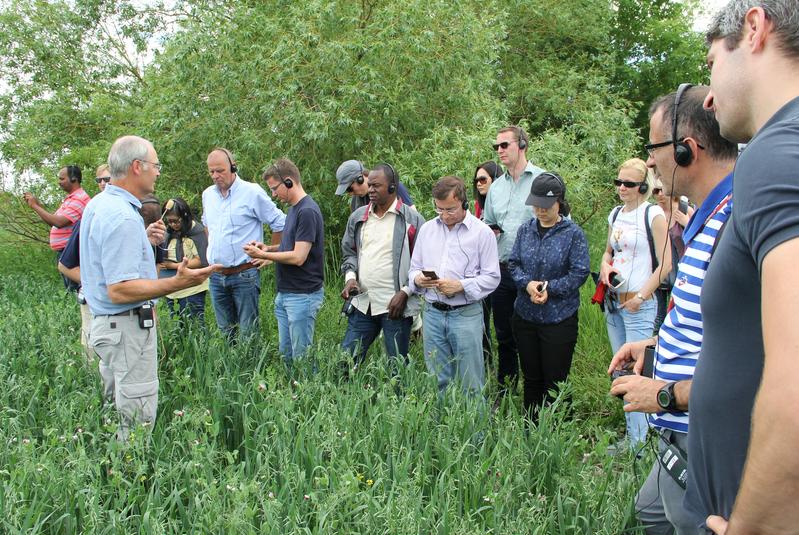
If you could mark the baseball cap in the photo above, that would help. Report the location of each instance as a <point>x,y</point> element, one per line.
<point>547,188</point>
<point>346,174</point>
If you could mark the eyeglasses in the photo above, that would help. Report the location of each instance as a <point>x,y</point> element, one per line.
<point>657,191</point>
<point>448,211</point>
<point>481,179</point>
<point>626,183</point>
<point>274,189</point>
<point>504,145</point>
<point>105,179</point>
<point>154,164</point>
<point>652,147</point>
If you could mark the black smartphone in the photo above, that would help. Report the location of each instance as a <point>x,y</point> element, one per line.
<point>430,274</point>
<point>496,227</point>
<point>683,206</point>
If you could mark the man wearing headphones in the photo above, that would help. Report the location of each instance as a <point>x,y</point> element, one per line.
<point>70,211</point>
<point>376,251</point>
<point>690,158</point>
<point>454,265</point>
<point>299,259</point>
<point>352,179</point>
<point>234,212</point>
<point>505,212</point>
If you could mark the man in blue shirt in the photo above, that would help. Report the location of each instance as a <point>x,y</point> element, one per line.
<point>119,281</point>
<point>299,260</point>
<point>234,212</point>
<point>699,166</point>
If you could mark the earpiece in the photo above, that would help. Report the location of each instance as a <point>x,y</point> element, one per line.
<point>465,204</point>
<point>683,155</point>
<point>392,188</point>
<point>644,187</point>
<point>233,167</point>
<point>359,179</point>
<point>522,138</point>
<point>289,183</point>
<point>73,173</point>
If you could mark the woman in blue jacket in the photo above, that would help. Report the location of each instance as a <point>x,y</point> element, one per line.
<point>549,263</point>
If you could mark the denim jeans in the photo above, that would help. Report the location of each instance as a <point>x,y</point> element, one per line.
<point>296,319</point>
<point>453,346</point>
<point>191,306</point>
<point>623,327</point>
<point>362,329</point>
<point>235,301</point>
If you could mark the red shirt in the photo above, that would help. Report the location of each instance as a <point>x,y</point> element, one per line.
<point>72,209</point>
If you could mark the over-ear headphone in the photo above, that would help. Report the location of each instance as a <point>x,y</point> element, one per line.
<point>73,173</point>
<point>559,180</point>
<point>359,178</point>
<point>522,138</point>
<point>683,155</point>
<point>644,187</point>
<point>233,167</point>
<point>289,183</point>
<point>394,180</point>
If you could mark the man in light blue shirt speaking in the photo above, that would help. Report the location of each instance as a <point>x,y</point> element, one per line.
<point>234,212</point>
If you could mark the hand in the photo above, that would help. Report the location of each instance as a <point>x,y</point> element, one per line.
<point>630,352</point>
<point>541,298</point>
<point>496,232</point>
<point>193,277</point>
<point>639,392</point>
<point>532,288</point>
<point>260,262</point>
<point>717,524</point>
<point>156,232</point>
<point>449,287</point>
<point>682,218</point>
<point>605,270</point>
<point>255,250</point>
<point>351,285</point>
<point>425,282</point>
<point>30,198</point>
<point>631,305</point>
<point>396,307</point>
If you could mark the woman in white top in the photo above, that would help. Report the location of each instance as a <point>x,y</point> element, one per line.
<point>629,269</point>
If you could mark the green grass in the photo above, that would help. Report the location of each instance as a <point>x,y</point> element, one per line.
<point>238,447</point>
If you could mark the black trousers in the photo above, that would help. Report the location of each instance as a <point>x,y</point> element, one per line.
<point>488,353</point>
<point>502,300</point>
<point>545,352</point>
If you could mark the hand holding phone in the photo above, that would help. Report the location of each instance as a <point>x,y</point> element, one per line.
<point>430,274</point>
<point>543,287</point>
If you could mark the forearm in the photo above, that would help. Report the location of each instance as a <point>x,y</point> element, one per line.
<point>276,237</point>
<point>682,393</point>
<point>72,274</point>
<point>137,290</point>
<point>292,258</point>
<point>53,220</point>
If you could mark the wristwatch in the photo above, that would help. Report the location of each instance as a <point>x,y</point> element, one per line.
<point>641,297</point>
<point>666,399</point>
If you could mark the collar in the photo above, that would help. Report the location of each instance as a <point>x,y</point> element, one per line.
<point>394,209</point>
<point>529,169</point>
<point>708,208</point>
<point>233,187</point>
<point>116,191</point>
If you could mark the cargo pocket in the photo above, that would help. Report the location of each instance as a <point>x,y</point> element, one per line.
<point>138,402</point>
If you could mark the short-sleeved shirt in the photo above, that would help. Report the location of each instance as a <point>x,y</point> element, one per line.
<point>237,219</point>
<point>632,255</point>
<point>402,193</point>
<point>730,366</point>
<point>303,223</point>
<point>72,208</point>
<point>113,248</point>
<point>506,206</point>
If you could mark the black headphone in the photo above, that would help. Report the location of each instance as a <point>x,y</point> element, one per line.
<point>289,183</point>
<point>683,155</point>
<point>560,181</point>
<point>73,173</point>
<point>522,138</point>
<point>359,178</point>
<point>644,186</point>
<point>394,180</point>
<point>233,167</point>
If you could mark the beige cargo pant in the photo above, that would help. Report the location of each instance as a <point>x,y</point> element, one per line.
<point>128,368</point>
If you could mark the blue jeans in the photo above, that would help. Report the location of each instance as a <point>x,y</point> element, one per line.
<point>296,319</point>
<point>235,301</point>
<point>191,306</point>
<point>453,346</point>
<point>623,327</point>
<point>362,329</point>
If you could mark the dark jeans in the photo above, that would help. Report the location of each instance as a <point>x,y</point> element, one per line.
<point>362,329</point>
<point>488,353</point>
<point>662,297</point>
<point>191,306</point>
<point>545,353</point>
<point>502,301</point>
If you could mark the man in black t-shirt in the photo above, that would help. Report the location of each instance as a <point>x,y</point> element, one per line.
<point>742,461</point>
<point>299,260</point>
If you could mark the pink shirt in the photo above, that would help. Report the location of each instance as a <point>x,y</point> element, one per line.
<point>72,209</point>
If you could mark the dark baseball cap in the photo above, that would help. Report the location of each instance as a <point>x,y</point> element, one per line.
<point>547,188</point>
<point>346,174</point>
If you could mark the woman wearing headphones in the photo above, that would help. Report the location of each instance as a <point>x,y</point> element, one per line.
<point>636,259</point>
<point>549,262</point>
<point>185,238</point>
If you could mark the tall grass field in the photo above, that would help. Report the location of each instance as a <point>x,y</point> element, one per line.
<point>241,446</point>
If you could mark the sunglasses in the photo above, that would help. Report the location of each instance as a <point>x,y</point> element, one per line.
<point>481,180</point>
<point>504,145</point>
<point>626,183</point>
<point>105,179</point>
<point>657,191</point>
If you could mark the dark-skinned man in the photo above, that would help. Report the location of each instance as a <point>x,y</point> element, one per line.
<point>376,251</point>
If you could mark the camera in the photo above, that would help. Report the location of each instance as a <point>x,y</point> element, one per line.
<point>620,373</point>
<point>347,308</point>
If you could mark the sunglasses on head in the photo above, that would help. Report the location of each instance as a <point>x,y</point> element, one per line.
<point>504,145</point>
<point>626,183</point>
<point>105,179</point>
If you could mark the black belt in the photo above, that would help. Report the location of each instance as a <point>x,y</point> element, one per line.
<point>438,305</point>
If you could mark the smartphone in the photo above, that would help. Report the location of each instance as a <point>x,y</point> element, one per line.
<point>493,226</point>
<point>543,286</point>
<point>683,206</point>
<point>430,274</point>
<point>616,282</point>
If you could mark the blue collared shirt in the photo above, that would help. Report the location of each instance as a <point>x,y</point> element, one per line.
<point>113,248</point>
<point>467,253</point>
<point>505,206</point>
<point>237,219</point>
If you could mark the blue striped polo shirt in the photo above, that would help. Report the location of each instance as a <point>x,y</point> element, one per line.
<point>680,336</point>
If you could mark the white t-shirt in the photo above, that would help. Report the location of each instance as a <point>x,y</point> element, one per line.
<point>628,239</point>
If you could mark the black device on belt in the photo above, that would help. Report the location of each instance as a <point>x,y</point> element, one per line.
<point>146,313</point>
<point>674,460</point>
<point>444,307</point>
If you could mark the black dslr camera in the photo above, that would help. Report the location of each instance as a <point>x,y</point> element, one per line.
<point>347,308</point>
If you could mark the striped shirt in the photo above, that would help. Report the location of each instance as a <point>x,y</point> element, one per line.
<point>72,209</point>
<point>680,336</point>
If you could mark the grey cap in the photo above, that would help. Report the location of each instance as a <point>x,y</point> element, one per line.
<point>346,174</point>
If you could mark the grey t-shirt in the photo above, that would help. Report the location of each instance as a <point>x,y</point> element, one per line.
<point>730,366</point>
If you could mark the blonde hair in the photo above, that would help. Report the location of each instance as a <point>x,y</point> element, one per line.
<point>101,168</point>
<point>645,173</point>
